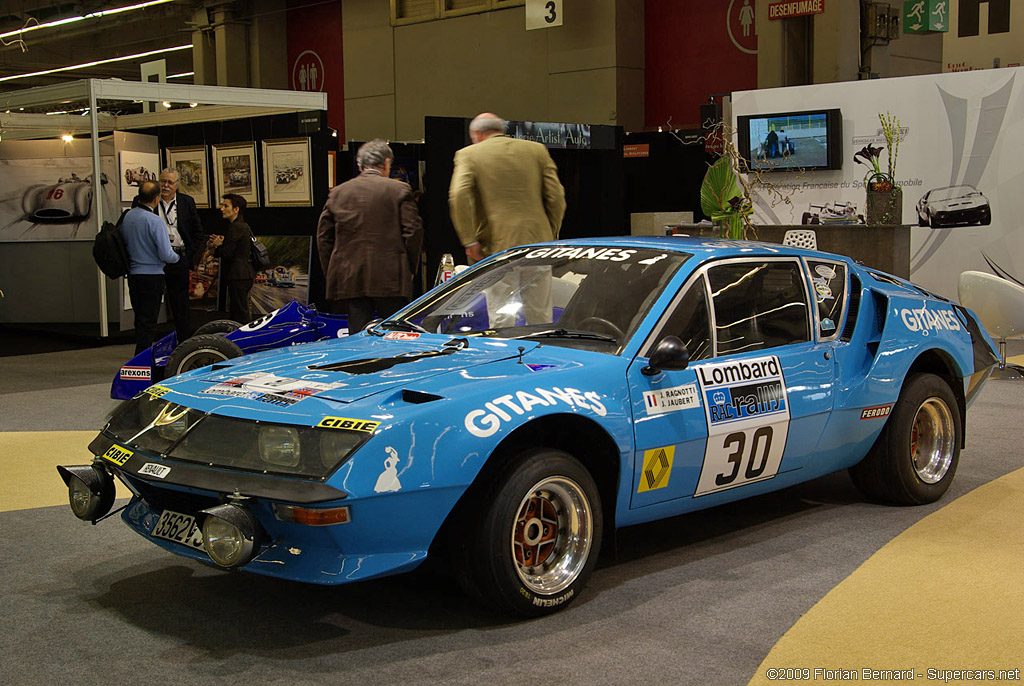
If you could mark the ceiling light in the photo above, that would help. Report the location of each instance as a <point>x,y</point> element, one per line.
<point>166,104</point>
<point>193,104</point>
<point>96,62</point>
<point>181,75</point>
<point>67,138</point>
<point>90,15</point>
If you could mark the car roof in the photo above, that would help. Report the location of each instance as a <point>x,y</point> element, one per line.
<point>706,247</point>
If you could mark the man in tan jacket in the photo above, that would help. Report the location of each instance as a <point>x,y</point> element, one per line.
<point>504,192</point>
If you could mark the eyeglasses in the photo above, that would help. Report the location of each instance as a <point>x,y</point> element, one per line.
<point>168,182</point>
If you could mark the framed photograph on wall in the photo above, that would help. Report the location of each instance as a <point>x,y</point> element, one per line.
<point>193,172</point>
<point>137,167</point>
<point>287,171</point>
<point>332,169</point>
<point>234,169</point>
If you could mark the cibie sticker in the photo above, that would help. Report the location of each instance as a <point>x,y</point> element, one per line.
<point>363,425</point>
<point>747,412</point>
<point>117,454</point>
<point>140,373</point>
<point>671,399</point>
<point>157,391</point>
<point>875,412</point>
<point>401,336</point>
<point>153,469</point>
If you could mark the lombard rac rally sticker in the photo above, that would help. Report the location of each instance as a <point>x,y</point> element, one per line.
<point>747,412</point>
<point>139,373</point>
<point>671,399</point>
<point>401,336</point>
<point>117,454</point>
<point>876,412</point>
<point>153,469</point>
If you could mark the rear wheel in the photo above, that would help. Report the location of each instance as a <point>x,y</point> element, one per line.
<point>915,457</point>
<point>200,351</point>
<point>217,326</point>
<point>537,539</point>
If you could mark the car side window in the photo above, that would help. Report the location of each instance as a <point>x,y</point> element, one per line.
<point>758,304</point>
<point>690,322</point>
<point>828,280</point>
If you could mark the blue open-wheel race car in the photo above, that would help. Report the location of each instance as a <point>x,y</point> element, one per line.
<point>224,339</point>
<point>509,421</point>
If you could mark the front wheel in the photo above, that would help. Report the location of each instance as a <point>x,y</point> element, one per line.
<point>538,537</point>
<point>916,455</point>
<point>200,351</point>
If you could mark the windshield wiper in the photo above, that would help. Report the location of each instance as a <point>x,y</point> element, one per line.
<point>564,333</point>
<point>401,325</point>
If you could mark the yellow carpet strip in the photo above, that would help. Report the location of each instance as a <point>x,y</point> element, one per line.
<point>28,462</point>
<point>945,595</point>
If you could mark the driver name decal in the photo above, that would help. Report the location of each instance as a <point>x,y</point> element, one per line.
<point>747,413</point>
<point>486,421</point>
<point>671,399</point>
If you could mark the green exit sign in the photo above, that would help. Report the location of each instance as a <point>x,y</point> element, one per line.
<point>925,16</point>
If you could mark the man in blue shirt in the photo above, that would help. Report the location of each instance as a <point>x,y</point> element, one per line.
<point>149,249</point>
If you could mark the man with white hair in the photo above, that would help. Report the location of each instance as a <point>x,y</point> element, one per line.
<point>369,239</point>
<point>185,231</point>
<point>504,191</point>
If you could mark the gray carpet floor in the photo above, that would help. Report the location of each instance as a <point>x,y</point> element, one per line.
<point>698,599</point>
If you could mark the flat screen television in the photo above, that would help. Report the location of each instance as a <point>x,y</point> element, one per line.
<point>790,141</point>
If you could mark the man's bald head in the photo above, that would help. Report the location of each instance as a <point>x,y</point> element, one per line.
<point>149,191</point>
<point>485,125</point>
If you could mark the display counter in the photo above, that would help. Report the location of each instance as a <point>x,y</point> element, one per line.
<point>881,246</point>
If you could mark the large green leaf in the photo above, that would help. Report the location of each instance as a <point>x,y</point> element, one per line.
<point>718,188</point>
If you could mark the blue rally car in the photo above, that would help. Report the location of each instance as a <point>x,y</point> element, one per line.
<point>511,419</point>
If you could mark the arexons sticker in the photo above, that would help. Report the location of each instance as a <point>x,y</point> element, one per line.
<point>747,411</point>
<point>486,421</point>
<point>671,399</point>
<point>143,373</point>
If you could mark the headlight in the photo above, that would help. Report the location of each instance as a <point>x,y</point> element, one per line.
<point>231,534</point>
<point>152,423</point>
<point>336,445</point>
<point>90,490</point>
<point>279,445</point>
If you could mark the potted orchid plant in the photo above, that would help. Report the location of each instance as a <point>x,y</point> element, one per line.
<point>885,197</point>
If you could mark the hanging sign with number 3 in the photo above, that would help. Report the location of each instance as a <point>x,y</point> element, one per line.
<point>543,14</point>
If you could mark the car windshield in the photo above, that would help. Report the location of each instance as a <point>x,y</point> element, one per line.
<point>589,297</point>
<point>952,192</point>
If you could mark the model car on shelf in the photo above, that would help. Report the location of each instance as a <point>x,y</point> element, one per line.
<point>953,206</point>
<point>222,340</point>
<point>70,198</point>
<point>507,422</point>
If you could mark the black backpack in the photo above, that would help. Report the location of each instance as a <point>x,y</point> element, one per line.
<point>258,255</point>
<point>109,252</point>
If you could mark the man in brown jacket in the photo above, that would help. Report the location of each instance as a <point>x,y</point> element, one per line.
<point>369,239</point>
<point>504,191</point>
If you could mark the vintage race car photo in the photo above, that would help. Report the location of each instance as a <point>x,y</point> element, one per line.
<point>69,198</point>
<point>953,206</point>
<point>508,422</point>
<point>138,176</point>
<point>224,339</point>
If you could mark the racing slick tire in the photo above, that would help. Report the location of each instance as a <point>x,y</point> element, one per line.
<point>30,199</point>
<point>83,200</point>
<point>916,455</point>
<point>200,351</point>
<point>537,537</point>
<point>217,326</point>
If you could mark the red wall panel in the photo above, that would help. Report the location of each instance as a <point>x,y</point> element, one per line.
<point>315,55</point>
<point>695,48</point>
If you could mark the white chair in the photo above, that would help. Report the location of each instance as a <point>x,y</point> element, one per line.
<point>801,238</point>
<point>999,304</point>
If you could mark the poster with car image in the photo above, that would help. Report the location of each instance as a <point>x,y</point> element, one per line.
<point>193,175</point>
<point>288,277</point>
<point>286,170</point>
<point>52,199</point>
<point>136,169</point>
<point>234,167</point>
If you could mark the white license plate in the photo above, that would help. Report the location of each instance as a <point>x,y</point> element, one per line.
<point>180,528</point>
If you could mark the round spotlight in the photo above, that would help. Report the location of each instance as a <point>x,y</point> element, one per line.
<point>230,535</point>
<point>90,490</point>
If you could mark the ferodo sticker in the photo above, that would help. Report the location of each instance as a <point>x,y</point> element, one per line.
<point>747,412</point>
<point>486,421</point>
<point>142,373</point>
<point>153,469</point>
<point>876,412</point>
<point>671,399</point>
<point>117,454</point>
<point>157,391</point>
<point>363,425</point>
<point>926,321</point>
<point>657,468</point>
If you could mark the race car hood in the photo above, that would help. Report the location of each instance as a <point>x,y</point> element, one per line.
<point>961,202</point>
<point>342,370</point>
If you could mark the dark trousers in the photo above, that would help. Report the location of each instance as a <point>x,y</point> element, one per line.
<point>238,300</point>
<point>145,292</point>
<point>176,279</point>
<point>361,310</point>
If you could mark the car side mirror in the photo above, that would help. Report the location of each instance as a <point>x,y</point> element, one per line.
<point>670,353</point>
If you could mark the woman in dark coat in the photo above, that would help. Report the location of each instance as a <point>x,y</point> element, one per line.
<point>234,250</point>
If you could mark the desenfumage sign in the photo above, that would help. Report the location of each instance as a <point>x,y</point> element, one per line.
<point>795,8</point>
